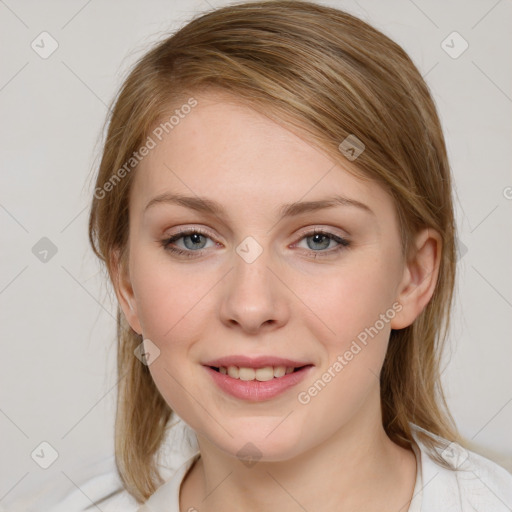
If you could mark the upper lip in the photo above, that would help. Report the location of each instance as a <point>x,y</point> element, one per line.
<point>254,362</point>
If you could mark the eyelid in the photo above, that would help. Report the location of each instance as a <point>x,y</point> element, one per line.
<point>188,229</point>
<point>310,230</point>
<point>183,232</point>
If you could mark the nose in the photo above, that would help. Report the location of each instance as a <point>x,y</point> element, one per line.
<point>254,298</point>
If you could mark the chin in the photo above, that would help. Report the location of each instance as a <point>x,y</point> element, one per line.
<point>262,444</point>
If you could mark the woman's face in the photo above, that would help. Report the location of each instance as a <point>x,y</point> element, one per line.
<point>255,282</point>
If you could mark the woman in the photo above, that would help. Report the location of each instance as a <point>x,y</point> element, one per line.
<point>274,209</point>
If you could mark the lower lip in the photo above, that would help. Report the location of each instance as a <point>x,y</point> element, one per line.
<point>254,390</point>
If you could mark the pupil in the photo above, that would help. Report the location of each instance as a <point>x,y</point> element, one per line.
<point>195,239</point>
<point>317,240</point>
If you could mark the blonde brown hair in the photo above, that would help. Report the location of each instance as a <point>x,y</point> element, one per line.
<point>330,75</point>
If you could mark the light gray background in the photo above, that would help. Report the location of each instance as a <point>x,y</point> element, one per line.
<point>58,379</point>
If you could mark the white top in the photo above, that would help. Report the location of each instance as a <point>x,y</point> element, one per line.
<point>166,497</point>
<point>473,484</point>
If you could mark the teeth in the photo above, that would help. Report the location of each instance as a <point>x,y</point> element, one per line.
<point>279,371</point>
<point>246,374</point>
<point>259,374</point>
<point>233,371</point>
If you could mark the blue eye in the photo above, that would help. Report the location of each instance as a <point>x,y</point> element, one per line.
<point>195,239</point>
<point>321,239</point>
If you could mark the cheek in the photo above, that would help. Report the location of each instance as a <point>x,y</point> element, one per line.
<point>351,298</point>
<point>356,306</point>
<point>168,295</point>
<point>171,302</point>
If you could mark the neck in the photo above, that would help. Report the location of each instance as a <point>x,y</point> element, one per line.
<point>357,468</point>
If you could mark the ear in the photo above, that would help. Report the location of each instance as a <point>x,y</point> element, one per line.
<point>419,277</point>
<point>124,291</point>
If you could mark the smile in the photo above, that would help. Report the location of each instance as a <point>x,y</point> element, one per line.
<point>256,384</point>
<point>260,374</point>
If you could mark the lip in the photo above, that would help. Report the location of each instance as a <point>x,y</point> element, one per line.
<point>255,362</point>
<point>256,391</point>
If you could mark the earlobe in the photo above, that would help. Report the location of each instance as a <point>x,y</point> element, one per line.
<point>419,277</point>
<point>124,291</point>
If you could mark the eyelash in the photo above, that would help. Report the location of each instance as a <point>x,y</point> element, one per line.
<point>343,243</point>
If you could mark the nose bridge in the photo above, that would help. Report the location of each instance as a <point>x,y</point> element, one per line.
<point>254,295</point>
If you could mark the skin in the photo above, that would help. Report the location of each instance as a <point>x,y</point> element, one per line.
<point>331,453</point>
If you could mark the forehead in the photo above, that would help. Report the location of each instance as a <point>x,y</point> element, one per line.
<point>226,150</point>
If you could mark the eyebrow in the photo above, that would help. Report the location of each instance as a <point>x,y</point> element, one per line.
<point>205,205</point>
